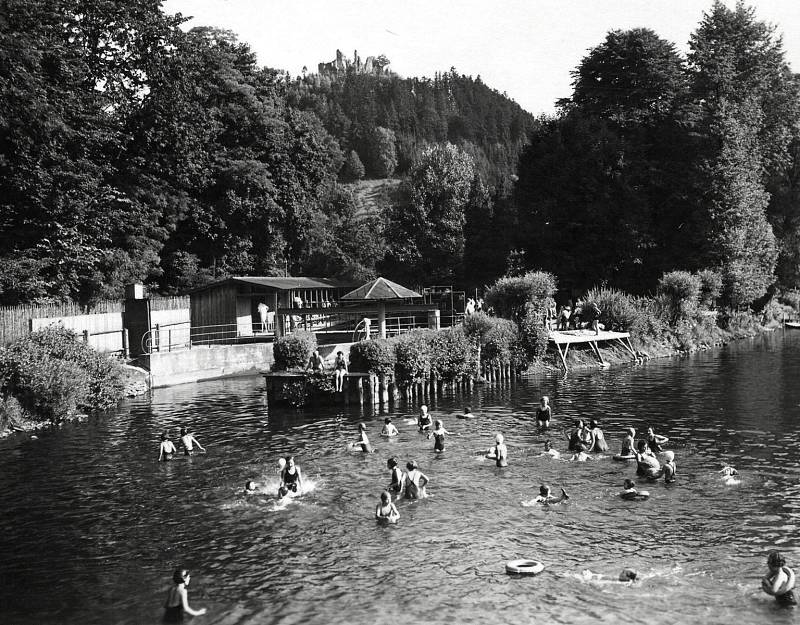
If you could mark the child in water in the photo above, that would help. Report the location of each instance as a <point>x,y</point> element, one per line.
<point>188,440</point>
<point>629,491</point>
<point>424,419</point>
<point>291,478</point>
<point>178,599</point>
<point>668,468</point>
<point>546,498</point>
<point>543,412</point>
<point>414,481</point>
<point>362,441</point>
<point>498,453</point>
<point>167,448</point>
<point>627,443</point>
<point>250,487</point>
<point>438,435</point>
<point>600,444</point>
<point>654,441</point>
<point>467,413</point>
<point>388,428</point>
<point>386,509</point>
<point>549,451</point>
<point>396,484</point>
<point>779,580</point>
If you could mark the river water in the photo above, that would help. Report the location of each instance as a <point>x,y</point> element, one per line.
<point>92,526</point>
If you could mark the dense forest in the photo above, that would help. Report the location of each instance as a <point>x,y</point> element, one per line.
<point>132,150</point>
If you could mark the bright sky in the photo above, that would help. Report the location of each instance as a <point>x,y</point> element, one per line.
<point>525,48</point>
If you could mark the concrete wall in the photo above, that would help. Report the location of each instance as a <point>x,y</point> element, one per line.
<point>207,363</point>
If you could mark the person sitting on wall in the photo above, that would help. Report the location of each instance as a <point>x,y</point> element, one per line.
<point>315,362</point>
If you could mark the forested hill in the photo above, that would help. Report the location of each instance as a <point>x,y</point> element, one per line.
<point>365,106</point>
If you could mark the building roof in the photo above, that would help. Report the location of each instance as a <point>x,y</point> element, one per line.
<point>279,283</point>
<point>380,289</point>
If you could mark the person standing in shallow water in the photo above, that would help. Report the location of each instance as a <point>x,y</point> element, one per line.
<point>438,433</point>
<point>543,412</point>
<point>188,440</point>
<point>779,580</point>
<point>167,448</point>
<point>178,599</point>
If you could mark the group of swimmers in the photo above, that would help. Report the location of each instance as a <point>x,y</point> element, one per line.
<point>167,448</point>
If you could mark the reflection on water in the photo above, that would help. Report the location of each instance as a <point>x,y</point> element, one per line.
<point>92,525</point>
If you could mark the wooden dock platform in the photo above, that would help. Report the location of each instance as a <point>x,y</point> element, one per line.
<point>565,338</point>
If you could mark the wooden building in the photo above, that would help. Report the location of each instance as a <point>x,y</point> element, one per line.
<point>229,308</point>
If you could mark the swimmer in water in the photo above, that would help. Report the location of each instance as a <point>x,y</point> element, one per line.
<point>414,481</point>
<point>779,580</point>
<point>424,419</point>
<point>291,478</point>
<point>654,441</point>
<point>363,441</point>
<point>668,468</point>
<point>386,509</point>
<point>544,413</point>
<point>580,454</point>
<point>467,413</point>
<point>600,444</point>
<point>546,498</point>
<point>647,464</point>
<point>575,436</point>
<point>396,485</point>
<point>178,599</point>
<point>629,491</point>
<point>498,453</point>
<point>730,476</point>
<point>167,448</point>
<point>388,428</point>
<point>250,487</point>
<point>438,433</point>
<point>627,575</point>
<point>549,451</point>
<point>188,441</point>
<point>627,443</point>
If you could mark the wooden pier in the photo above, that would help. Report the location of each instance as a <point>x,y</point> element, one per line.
<point>565,338</point>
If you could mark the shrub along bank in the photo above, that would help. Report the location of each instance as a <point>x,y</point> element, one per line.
<point>50,375</point>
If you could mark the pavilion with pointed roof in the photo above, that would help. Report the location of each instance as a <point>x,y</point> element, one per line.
<point>380,291</point>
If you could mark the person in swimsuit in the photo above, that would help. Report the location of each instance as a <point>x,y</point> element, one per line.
<point>188,440</point>
<point>438,433</point>
<point>629,491</point>
<point>250,487</point>
<point>600,444</point>
<point>586,438</point>
<point>549,451</point>
<point>654,441</point>
<point>414,481</point>
<point>467,413</point>
<point>543,412</point>
<point>627,443</point>
<point>339,371</point>
<point>647,464</point>
<point>396,485</point>
<point>575,436</point>
<point>668,468</point>
<point>581,454</point>
<point>315,362</point>
<point>388,428</point>
<point>167,448</point>
<point>546,498</point>
<point>424,419</point>
<point>498,453</point>
<point>362,442</point>
<point>386,509</point>
<point>178,599</point>
<point>291,478</point>
<point>779,580</point>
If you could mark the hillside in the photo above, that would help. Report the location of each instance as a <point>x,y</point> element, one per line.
<point>373,197</point>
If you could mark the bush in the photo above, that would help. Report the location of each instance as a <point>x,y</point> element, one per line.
<point>710,288</point>
<point>453,355</point>
<point>376,356</point>
<point>53,375</point>
<point>681,291</point>
<point>501,345</point>
<point>791,298</point>
<point>533,335</point>
<point>413,354</point>
<point>511,296</point>
<point>293,350</point>
<point>619,311</point>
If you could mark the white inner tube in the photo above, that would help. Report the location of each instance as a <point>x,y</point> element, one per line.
<point>524,567</point>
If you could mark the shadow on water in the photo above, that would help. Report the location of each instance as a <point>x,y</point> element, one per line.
<point>93,525</point>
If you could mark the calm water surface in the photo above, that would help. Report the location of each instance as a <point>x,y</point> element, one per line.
<point>91,525</point>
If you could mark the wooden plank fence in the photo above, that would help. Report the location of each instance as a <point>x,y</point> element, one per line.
<point>104,318</point>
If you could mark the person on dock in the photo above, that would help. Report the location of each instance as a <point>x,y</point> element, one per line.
<point>291,478</point>
<point>315,362</point>
<point>424,418</point>
<point>388,428</point>
<point>178,599</point>
<point>564,316</point>
<point>339,371</point>
<point>654,441</point>
<point>396,485</point>
<point>167,448</point>
<point>188,441</point>
<point>438,433</point>
<point>592,314</point>
<point>647,464</point>
<point>498,453</point>
<point>362,441</point>
<point>546,497</point>
<point>386,510</point>
<point>779,580</point>
<point>600,444</point>
<point>544,413</point>
<point>414,481</point>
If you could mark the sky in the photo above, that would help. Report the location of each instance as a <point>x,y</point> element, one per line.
<point>524,48</point>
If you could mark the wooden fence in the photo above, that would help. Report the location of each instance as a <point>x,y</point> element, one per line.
<point>17,321</point>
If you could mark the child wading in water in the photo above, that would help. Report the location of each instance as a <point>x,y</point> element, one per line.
<point>779,580</point>
<point>546,498</point>
<point>386,510</point>
<point>438,435</point>
<point>178,599</point>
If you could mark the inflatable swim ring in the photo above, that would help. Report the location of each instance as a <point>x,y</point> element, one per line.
<point>638,496</point>
<point>789,583</point>
<point>524,567</point>
<point>624,458</point>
